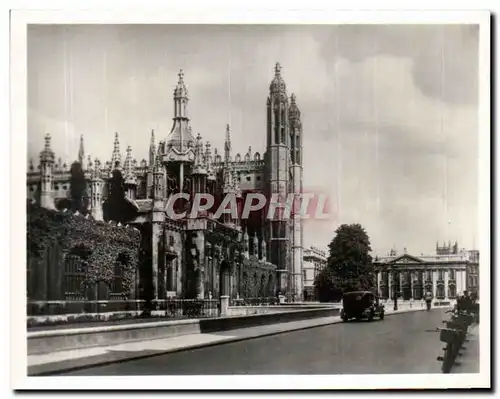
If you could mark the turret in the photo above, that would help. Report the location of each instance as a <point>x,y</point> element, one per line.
<point>46,168</point>
<point>277,110</point>
<point>278,155</point>
<point>296,188</point>
<point>116,158</point>
<point>81,153</point>
<point>158,182</point>
<point>255,249</point>
<point>246,244</point>
<point>295,132</point>
<point>129,175</point>
<point>227,145</point>
<point>181,98</point>
<point>263,250</point>
<point>152,150</point>
<point>199,167</point>
<point>96,186</point>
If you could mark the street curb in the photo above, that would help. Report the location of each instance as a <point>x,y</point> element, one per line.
<point>59,368</point>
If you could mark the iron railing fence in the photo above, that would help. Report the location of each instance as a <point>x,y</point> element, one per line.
<point>188,308</point>
<point>263,301</point>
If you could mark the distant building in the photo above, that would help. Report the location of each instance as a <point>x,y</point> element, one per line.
<point>473,272</point>
<point>314,260</point>
<point>443,274</point>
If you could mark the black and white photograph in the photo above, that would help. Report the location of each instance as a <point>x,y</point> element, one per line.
<point>225,199</point>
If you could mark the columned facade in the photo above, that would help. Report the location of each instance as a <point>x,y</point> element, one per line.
<point>412,277</point>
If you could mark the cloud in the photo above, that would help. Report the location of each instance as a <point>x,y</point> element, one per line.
<point>389,112</point>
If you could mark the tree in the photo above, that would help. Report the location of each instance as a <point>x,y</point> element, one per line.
<point>115,203</point>
<point>117,207</point>
<point>78,187</point>
<point>326,286</point>
<point>349,266</point>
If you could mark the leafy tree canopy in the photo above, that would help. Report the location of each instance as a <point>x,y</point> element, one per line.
<point>349,265</point>
<point>78,187</point>
<point>116,207</point>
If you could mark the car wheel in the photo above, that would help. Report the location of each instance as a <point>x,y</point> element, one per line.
<point>370,316</point>
<point>381,316</point>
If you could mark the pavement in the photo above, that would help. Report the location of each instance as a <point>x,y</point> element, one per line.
<point>400,344</point>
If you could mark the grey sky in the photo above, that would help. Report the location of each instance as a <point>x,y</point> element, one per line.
<point>389,112</point>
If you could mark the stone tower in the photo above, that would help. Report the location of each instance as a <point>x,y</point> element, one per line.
<point>296,188</point>
<point>278,164</point>
<point>46,165</point>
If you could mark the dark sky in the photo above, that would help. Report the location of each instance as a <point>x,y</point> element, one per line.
<point>389,111</point>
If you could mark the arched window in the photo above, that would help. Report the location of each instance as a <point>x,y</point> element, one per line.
<point>282,126</point>
<point>277,126</point>
<point>440,292</point>
<point>452,291</point>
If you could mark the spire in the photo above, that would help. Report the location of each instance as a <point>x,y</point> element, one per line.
<point>128,168</point>
<point>116,158</point>
<point>152,149</point>
<point>255,244</point>
<point>180,135</point>
<point>227,145</point>
<point>209,160</point>
<point>81,151</point>
<point>263,250</point>
<point>181,90</point>
<point>47,155</point>
<point>158,168</point>
<point>228,180</point>
<point>277,87</point>
<point>294,110</point>
<point>96,170</point>
<point>89,165</point>
<point>246,243</point>
<point>198,156</point>
<point>208,154</point>
<point>277,70</point>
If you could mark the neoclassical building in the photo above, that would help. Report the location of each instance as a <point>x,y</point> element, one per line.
<point>443,274</point>
<point>315,260</point>
<point>203,256</point>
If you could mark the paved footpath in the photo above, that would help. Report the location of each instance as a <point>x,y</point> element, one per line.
<point>92,358</point>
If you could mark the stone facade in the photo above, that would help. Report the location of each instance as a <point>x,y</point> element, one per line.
<point>473,272</point>
<point>443,274</point>
<point>197,257</point>
<point>315,260</point>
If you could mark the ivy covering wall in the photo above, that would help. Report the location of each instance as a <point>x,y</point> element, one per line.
<point>99,244</point>
<point>258,279</point>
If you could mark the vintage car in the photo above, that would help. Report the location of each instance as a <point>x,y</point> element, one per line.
<point>361,304</point>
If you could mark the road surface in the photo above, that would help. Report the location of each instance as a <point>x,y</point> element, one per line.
<point>399,344</point>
